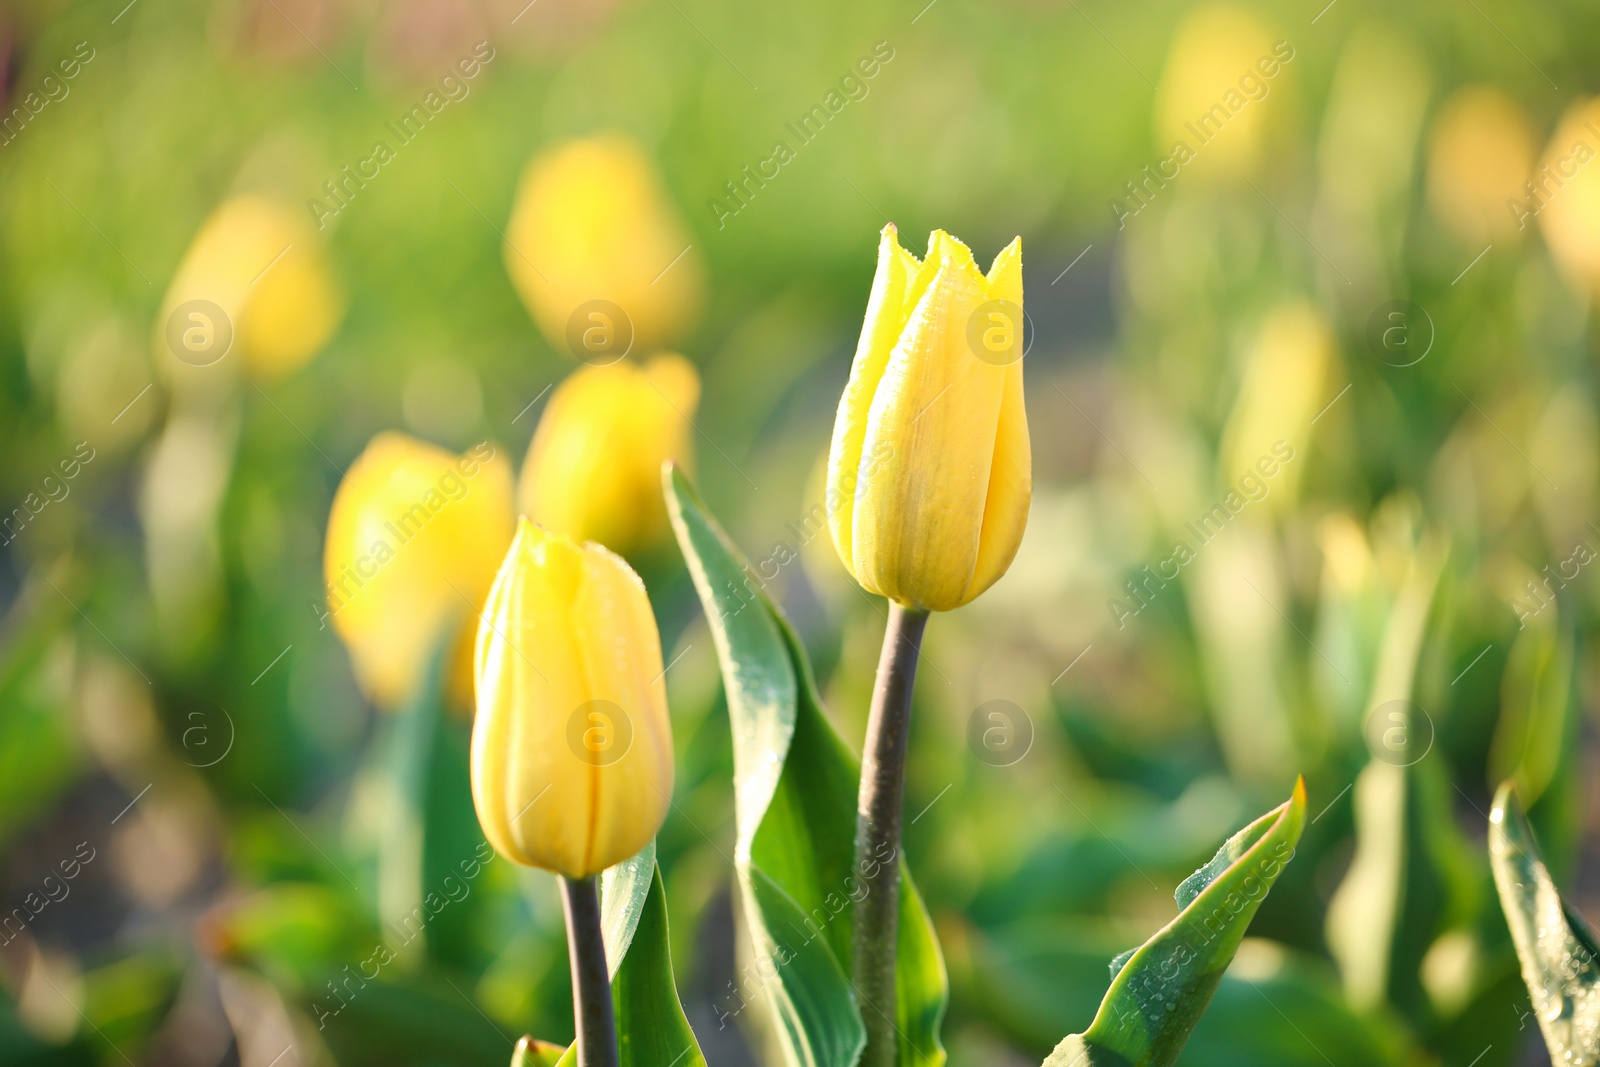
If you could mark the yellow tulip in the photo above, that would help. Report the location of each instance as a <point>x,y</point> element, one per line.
<point>1565,193</point>
<point>253,282</point>
<point>929,474</point>
<point>414,536</point>
<point>1480,154</point>
<point>571,703</point>
<point>593,471</point>
<point>597,252</point>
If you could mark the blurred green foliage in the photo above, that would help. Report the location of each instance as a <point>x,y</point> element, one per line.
<point>1421,546</point>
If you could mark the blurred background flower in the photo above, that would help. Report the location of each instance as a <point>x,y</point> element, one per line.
<point>591,223</point>
<point>1566,192</point>
<point>414,537</point>
<point>593,470</point>
<point>1224,65</point>
<point>1480,155</point>
<point>261,264</point>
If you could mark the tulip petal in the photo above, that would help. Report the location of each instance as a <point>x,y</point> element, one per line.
<point>529,683</point>
<point>887,310</point>
<point>621,657</point>
<point>917,520</point>
<point>1004,280</point>
<point>1005,509</point>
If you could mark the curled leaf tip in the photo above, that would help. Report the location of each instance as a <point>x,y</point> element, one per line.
<point>532,1053</point>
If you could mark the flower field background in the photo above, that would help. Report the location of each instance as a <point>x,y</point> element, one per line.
<point>1310,348</point>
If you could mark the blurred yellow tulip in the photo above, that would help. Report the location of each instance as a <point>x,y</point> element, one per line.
<point>930,473</point>
<point>1480,154</point>
<point>254,281</point>
<point>1213,96</point>
<point>571,702</point>
<point>414,536</point>
<point>1565,193</point>
<point>598,253</point>
<point>593,471</point>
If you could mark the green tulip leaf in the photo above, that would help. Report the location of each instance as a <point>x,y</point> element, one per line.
<point>1159,990</point>
<point>795,786</point>
<point>1037,976</point>
<point>623,889</point>
<point>1559,952</point>
<point>652,1030</point>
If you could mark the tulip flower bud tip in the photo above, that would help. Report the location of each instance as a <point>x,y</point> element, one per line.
<point>928,498</point>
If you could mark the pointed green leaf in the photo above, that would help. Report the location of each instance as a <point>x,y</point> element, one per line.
<point>795,789</point>
<point>1560,958</point>
<point>1160,991</point>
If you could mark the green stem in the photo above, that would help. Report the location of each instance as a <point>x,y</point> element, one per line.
<point>591,984</point>
<point>875,922</point>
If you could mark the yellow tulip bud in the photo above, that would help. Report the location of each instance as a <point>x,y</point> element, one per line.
<point>594,246</point>
<point>571,703</point>
<point>593,471</point>
<point>414,536</point>
<point>929,474</point>
<point>253,282</point>
<point>1565,193</point>
<point>1480,154</point>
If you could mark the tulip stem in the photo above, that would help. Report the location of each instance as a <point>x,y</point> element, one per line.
<point>591,984</point>
<point>875,923</point>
